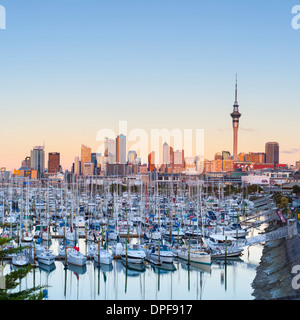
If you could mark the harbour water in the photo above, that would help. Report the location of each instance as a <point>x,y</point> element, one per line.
<point>177,281</point>
<point>95,215</point>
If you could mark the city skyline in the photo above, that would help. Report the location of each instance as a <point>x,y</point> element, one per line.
<point>113,153</point>
<point>171,161</point>
<point>167,64</point>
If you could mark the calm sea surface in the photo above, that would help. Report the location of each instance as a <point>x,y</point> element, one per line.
<point>175,282</point>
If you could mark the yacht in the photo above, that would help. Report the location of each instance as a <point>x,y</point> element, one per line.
<point>105,257</point>
<point>162,253</point>
<point>46,257</point>
<point>135,254</point>
<point>75,257</point>
<point>194,256</point>
<point>27,236</point>
<point>216,244</point>
<point>20,260</point>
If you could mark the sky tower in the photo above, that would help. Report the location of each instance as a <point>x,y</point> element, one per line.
<point>235,115</point>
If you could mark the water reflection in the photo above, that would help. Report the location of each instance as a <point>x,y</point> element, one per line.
<point>177,281</point>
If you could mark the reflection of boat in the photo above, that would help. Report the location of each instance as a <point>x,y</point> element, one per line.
<point>195,266</point>
<point>168,266</point>
<point>140,267</point>
<point>164,268</point>
<point>104,267</point>
<point>159,270</point>
<point>47,268</point>
<point>77,269</point>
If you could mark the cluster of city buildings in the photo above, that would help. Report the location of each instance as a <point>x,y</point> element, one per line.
<point>252,167</point>
<point>258,167</point>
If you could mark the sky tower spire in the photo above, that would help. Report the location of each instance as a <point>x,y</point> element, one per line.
<point>235,115</point>
<point>236,88</point>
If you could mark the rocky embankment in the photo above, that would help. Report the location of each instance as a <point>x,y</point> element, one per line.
<point>274,274</point>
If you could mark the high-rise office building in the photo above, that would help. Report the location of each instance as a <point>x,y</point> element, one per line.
<point>88,169</point>
<point>77,166</point>
<point>166,154</point>
<point>110,150</point>
<point>53,162</point>
<point>235,115</point>
<point>86,155</point>
<point>94,160</point>
<point>37,160</point>
<point>226,155</point>
<point>272,152</point>
<point>121,149</point>
<point>151,161</point>
<point>179,159</point>
<point>131,156</point>
<point>27,160</point>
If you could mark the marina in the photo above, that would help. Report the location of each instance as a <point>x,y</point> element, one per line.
<point>94,242</point>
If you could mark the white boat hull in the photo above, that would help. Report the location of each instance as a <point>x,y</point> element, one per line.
<point>46,260</point>
<point>163,257</point>
<point>194,257</point>
<point>104,259</point>
<point>20,261</point>
<point>76,261</point>
<point>133,259</point>
<point>76,258</point>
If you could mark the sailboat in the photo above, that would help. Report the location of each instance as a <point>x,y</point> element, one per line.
<point>105,256</point>
<point>26,236</point>
<point>216,244</point>
<point>20,260</point>
<point>162,253</point>
<point>46,257</point>
<point>195,256</point>
<point>75,257</point>
<point>134,254</point>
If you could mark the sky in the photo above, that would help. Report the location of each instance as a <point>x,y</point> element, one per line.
<point>69,68</point>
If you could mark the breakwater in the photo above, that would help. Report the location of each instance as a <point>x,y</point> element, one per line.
<point>274,276</point>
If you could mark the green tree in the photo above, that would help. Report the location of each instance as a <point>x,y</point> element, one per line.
<point>12,280</point>
<point>296,189</point>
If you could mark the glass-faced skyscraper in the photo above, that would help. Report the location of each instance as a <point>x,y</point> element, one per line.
<point>85,155</point>
<point>121,149</point>
<point>37,160</point>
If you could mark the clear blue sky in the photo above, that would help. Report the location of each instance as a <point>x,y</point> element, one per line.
<point>70,68</point>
